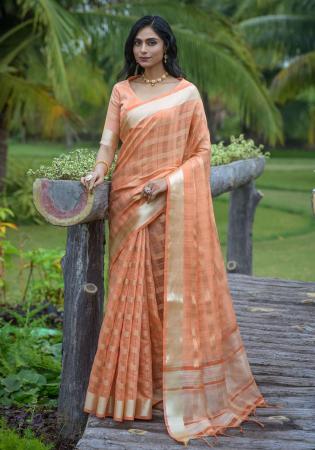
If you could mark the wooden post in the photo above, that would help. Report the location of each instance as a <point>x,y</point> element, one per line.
<point>68,203</point>
<point>83,269</point>
<point>243,202</point>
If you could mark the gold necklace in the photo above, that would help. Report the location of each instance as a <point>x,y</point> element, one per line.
<point>154,81</point>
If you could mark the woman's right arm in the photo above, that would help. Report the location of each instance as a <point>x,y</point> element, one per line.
<point>109,141</point>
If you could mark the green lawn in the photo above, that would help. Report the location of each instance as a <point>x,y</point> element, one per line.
<point>284,227</point>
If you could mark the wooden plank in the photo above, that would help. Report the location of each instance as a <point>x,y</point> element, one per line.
<point>280,348</point>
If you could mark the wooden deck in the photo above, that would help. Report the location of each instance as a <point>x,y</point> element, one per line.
<point>276,318</point>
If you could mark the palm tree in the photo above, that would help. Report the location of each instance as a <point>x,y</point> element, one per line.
<point>282,36</point>
<point>39,58</point>
<point>41,41</point>
<point>32,33</point>
<point>213,54</point>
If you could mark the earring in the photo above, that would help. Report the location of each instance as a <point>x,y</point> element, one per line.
<point>136,69</point>
<point>165,57</point>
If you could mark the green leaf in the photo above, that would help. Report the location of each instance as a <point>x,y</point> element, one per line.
<point>12,383</point>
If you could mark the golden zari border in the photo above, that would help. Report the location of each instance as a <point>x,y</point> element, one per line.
<point>121,410</point>
<point>174,298</point>
<point>109,138</point>
<point>140,112</point>
<point>145,213</point>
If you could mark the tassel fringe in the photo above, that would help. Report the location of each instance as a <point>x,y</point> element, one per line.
<point>241,429</point>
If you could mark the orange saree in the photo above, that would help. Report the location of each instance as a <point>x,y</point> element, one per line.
<point>169,332</point>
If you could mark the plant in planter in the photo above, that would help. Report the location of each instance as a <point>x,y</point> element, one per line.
<point>238,149</point>
<point>60,197</point>
<point>70,166</point>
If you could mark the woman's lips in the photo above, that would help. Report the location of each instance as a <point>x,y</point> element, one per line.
<point>144,59</point>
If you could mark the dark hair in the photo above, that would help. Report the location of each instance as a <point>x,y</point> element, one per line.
<point>163,30</point>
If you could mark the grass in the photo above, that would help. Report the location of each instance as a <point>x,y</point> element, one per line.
<point>284,227</point>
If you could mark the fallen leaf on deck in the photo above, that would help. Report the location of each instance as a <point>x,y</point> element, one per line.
<point>136,431</point>
<point>258,308</point>
<point>279,419</point>
<point>299,327</point>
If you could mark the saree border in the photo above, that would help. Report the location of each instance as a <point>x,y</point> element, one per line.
<point>173,297</point>
<point>142,216</point>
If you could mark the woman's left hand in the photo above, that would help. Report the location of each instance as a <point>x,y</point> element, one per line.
<point>158,186</point>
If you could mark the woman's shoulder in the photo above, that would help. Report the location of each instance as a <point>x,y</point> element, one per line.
<point>118,84</point>
<point>192,86</point>
<point>193,91</point>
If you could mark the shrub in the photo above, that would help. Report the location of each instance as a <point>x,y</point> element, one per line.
<point>6,248</point>
<point>30,365</point>
<point>44,278</point>
<point>18,194</point>
<point>11,440</point>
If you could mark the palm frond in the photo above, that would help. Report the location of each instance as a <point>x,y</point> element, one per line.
<point>294,79</point>
<point>59,29</point>
<point>290,34</point>
<point>24,99</point>
<point>250,8</point>
<point>214,55</point>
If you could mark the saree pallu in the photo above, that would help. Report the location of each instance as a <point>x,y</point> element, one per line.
<point>170,331</point>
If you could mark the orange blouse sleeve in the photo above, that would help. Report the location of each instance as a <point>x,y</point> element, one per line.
<point>110,135</point>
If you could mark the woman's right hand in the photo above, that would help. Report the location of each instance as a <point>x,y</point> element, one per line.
<point>96,177</point>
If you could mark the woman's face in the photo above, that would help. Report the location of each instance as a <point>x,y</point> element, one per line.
<point>148,44</point>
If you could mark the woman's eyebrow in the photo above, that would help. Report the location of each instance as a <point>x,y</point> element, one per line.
<point>138,39</point>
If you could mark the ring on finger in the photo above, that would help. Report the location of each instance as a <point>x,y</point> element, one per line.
<point>89,177</point>
<point>148,190</point>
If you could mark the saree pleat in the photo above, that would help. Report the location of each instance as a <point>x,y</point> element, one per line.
<point>170,331</point>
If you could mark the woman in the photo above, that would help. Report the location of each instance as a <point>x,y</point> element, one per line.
<point>170,332</point>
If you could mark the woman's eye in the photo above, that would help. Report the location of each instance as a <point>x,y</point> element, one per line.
<point>150,43</point>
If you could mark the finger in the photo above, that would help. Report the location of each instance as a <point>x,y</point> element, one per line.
<point>85,183</point>
<point>91,183</point>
